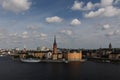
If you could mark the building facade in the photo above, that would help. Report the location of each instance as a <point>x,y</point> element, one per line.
<point>73,56</point>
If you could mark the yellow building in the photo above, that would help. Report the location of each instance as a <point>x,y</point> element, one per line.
<point>23,55</point>
<point>38,55</point>
<point>114,56</point>
<point>73,56</point>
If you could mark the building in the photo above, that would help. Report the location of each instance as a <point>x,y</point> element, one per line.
<point>74,56</point>
<point>54,46</point>
<point>110,46</point>
<point>48,55</point>
<point>31,54</point>
<point>38,54</point>
<point>55,55</point>
<point>115,55</point>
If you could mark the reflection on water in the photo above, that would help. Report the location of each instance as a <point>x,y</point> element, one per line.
<point>15,70</point>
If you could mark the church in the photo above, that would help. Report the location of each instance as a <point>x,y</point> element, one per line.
<point>56,55</point>
<point>70,56</point>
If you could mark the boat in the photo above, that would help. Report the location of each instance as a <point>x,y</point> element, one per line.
<point>1,55</point>
<point>32,60</point>
<point>83,60</point>
<point>66,61</point>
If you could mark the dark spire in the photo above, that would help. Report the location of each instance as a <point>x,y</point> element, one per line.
<point>54,46</point>
<point>110,46</point>
<point>54,40</point>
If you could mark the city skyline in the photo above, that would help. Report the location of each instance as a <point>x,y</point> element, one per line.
<point>76,23</point>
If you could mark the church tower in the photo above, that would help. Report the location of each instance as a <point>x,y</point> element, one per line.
<point>110,46</point>
<point>54,46</point>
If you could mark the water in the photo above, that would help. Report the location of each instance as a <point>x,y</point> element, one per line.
<point>15,70</point>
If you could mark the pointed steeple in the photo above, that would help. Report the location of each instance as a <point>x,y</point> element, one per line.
<point>110,46</point>
<point>54,46</point>
<point>55,40</point>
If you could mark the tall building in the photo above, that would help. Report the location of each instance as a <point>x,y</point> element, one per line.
<point>54,46</point>
<point>55,55</point>
<point>110,46</point>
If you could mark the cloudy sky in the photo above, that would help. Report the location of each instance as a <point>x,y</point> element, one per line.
<point>76,23</point>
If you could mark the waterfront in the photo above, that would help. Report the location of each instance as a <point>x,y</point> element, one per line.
<point>16,70</point>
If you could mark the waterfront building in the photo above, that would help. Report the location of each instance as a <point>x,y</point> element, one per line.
<point>74,56</point>
<point>99,53</point>
<point>115,55</point>
<point>49,55</point>
<point>28,54</point>
<point>38,54</point>
<point>22,54</point>
<point>60,55</point>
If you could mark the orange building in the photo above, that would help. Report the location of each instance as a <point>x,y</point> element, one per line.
<point>74,56</point>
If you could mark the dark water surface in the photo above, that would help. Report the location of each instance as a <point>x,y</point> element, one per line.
<point>15,70</point>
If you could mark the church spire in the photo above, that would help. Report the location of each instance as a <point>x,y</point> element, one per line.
<point>110,46</point>
<point>55,40</point>
<point>54,46</point>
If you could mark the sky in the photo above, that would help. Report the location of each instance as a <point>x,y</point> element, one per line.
<point>76,23</point>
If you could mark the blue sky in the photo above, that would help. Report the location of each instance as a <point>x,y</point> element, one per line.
<point>76,23</point>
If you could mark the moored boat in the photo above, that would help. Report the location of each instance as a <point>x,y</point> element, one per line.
<point>29,60</point>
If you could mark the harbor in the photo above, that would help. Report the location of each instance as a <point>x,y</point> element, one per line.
<point>57,71</point>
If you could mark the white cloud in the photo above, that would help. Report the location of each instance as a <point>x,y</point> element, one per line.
<point>68,32</point>
<point>13,34</point>
<point>41,36</point>
<point>81,6</point>
<point>75,22</point>
<point>22,35</point>
<point>77,5</point>
<point>111,11</point>
<point>89,5</point>
<point>15,41</point>
<point>105,3</point>
<point>33,27</point>
<point>108,11</point>
<point>117,32</point>
<point>25,33</point>
<point>3,33</point>
<point>113,33</point>
<point>95,13</point>
<point>105,9</point>
<point>16,5</point>
<point>54,19</point>
<point>106,26</point>
<point>110,34</point>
